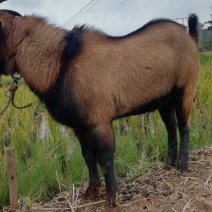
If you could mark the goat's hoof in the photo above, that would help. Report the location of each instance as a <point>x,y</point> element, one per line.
<point>182,166</point>
<point>92,192</point>
<point>182,163</point>
<point>170,161</point>
<point>90,196</point>
<point>111,201</point>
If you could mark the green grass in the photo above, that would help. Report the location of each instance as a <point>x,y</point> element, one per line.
<point>43,158</point>
<point>39,159</point>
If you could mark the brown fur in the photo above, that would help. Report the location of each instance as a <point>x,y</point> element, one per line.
<point>30,49</point>
<point>168,55</point>
<point>154,68</point>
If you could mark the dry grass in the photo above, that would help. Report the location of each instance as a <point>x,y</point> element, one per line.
<point>160,189</point>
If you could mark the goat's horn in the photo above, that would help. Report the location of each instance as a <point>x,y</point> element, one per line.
<point>2,1</point>
<point>11,12</point>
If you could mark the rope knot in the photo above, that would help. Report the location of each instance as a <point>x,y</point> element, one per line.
<point>12,89</point>
<point>10,93</point>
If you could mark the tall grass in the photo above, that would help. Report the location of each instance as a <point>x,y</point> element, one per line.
<point>49,157</point>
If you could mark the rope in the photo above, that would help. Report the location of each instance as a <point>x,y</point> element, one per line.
<point>11,94</point>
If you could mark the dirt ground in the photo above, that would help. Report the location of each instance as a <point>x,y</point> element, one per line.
<point>161,189</point>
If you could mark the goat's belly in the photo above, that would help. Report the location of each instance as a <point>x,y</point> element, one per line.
<point>149,106</point>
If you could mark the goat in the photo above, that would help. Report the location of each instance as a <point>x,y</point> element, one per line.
<point>87,79</point>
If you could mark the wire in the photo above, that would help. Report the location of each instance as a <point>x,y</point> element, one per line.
<point>71,21</point>
<point>78,14</point>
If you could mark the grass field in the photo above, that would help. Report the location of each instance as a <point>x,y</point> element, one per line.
<point>49,159</point>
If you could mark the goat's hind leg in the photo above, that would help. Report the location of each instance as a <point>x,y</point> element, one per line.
<point>168,115</point>
<point>183,109</point>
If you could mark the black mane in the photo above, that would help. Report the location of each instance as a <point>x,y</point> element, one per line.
<point>73,41</point>
<point>143,28</point>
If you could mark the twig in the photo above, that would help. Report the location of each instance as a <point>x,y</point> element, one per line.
<point>186,206</point>
<point>58,181</point>
<point>77,198</point>
<point>192,178</point>
<point>208,179</point>
<point>125,205</point>
<point>199,161</point>
<point>183,194</point>
<point>209,203</point>
<point>89,204</point>
<point>48,209</point>
<point>73,196</point>
<point>71,207</point>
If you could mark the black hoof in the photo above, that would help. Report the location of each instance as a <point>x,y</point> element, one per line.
<point>92,191</point>
<point>111,201</point>
<point>182,166</point>
<point>170,161</point>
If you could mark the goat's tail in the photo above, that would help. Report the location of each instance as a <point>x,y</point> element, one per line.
<point>193,27</point>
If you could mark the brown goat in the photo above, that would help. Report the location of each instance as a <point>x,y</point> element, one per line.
<point>87,79</point>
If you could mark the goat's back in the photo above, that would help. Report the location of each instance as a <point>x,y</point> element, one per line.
<point>127,72</point>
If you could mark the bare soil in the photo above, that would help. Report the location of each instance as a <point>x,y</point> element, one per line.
<point>161,189</point>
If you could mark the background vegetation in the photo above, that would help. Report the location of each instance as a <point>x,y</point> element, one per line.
<point>205,41</point>
<point>49,159</point>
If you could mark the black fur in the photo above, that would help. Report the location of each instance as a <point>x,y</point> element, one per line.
<point>2,66</point>
<point>60,103</point>
<point>73,41</point>
<point>73,45</point>
<point>143,28</point>
<point>193,24</point>
<point>152,23</point>
<point>58,99</point>
<point>11,12</point>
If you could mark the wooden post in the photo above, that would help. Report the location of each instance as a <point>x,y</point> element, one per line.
<point>12,181</point>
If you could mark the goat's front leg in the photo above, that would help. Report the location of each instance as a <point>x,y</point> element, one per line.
<point>168,115</point>
<point>89,154</point>
<point>98,146</point>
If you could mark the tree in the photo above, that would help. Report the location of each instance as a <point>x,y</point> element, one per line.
<point>206,36</point>
<point>209,22</point>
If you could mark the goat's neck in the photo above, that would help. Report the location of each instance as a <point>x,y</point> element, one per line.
<point>38,56</point>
